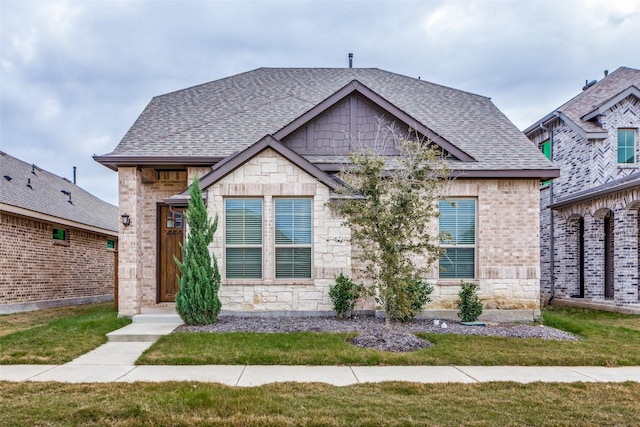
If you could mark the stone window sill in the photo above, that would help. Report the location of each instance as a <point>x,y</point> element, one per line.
<point>267,282</point>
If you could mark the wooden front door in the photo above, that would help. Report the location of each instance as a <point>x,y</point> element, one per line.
<point>171,236</point>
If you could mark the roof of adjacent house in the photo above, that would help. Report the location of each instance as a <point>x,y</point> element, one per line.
<point>32,191</point>
<point>624,183</point>
<point>209,122</point>
<point>584,107</point>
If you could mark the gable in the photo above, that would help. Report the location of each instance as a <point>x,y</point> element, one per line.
<point>632,93</point>
<point>267,143</point>
<point>355,115</point>
<point>332,132</point>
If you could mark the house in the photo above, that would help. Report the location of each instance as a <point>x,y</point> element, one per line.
<point>589,216</point>
<point>58,243</point>
<point>267,145</point>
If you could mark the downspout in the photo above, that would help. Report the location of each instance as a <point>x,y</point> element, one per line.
<point>551,236</point>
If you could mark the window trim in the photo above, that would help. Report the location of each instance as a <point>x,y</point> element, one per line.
<point>242,246</point>
<point>276,245</point>
<point>473,246</point>
<point>634,135</point>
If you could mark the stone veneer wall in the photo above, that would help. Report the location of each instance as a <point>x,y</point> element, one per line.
<point>39,272</point>
<point>508,270</point>
<point>269,176</point>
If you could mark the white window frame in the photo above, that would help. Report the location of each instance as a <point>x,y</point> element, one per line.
<point>277,246</point>
<point>454,245</point>
<point>244,245</point>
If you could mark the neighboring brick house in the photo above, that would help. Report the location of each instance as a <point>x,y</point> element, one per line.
<point>589,216</point>
<point>58,243</point>
<point>267,145</point>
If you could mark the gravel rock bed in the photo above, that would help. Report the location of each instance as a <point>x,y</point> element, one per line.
<point>372,331</point>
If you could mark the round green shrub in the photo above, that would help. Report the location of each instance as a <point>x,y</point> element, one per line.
<point>344,295</point>
<point>469,304</point>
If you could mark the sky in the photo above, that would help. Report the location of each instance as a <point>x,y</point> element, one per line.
<point>75,75</point>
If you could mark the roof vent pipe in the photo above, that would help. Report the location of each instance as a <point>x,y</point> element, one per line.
<point>606,73</point>
<point>74,175</point>
<point>350,60</point>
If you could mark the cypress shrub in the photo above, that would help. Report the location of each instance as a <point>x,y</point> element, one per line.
<point>197,301</point>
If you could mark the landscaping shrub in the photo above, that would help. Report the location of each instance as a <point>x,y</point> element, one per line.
<point>344,294</point>
<point>197,301</point>
<point>469,304</point>
<point>409,299</point>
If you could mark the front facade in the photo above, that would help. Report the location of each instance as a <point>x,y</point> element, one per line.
<point>58,243</point>
<point>589,215</point>
<point>267,146</point>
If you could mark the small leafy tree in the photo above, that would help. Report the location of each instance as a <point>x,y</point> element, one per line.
<point>469,304</point>
<point>344,294</point>
<point>394,184</point>
<point>197,301</point>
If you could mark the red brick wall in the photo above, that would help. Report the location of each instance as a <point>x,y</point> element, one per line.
<point>33,267</point>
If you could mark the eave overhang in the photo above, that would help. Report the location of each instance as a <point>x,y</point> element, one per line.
<point>157,162</point>
<point>506,173</point>
<point>16,210</point>
<point>593,194</point>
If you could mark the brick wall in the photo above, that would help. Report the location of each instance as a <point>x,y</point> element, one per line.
<point>140,193</point>
<point>507,245</point>
<point>588,164</point>
<point>35,268</point>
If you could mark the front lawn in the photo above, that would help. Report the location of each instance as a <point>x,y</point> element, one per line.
<point>55,336</point>
<point>288,404</point>
<point>606,339</point>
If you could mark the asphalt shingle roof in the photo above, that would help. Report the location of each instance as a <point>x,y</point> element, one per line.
<point>591,98</point>
<point>221,117</point>
<point>45,195</point>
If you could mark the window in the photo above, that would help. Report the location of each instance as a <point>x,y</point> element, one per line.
<point>458,219</point>
<point>59,234</point>
<point>293,238</point>
<point>626,146</point>
<point>243,229</point>
<point>546,150</point>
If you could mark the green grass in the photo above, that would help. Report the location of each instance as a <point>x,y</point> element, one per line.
<point>606,339</point>
<point>56,336</point>
<point>287,404</point>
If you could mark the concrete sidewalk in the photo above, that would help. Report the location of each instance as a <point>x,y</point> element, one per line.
<point>252,375</point>
<point>114,362</point>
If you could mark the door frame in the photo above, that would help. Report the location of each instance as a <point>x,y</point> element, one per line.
<point>160,247</point>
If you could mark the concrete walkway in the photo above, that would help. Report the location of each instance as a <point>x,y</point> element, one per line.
<point>114,362</point>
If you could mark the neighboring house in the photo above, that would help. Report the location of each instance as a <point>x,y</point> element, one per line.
<point>58,243</point>
<point>267,145</point>
<point>589,216</point>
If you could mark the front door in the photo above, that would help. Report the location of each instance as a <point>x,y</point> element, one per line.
<point>171,236</point>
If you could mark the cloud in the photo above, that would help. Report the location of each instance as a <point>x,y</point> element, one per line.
<point>76,74</point>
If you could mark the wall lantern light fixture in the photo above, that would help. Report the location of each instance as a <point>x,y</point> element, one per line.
<point>126,220</point>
